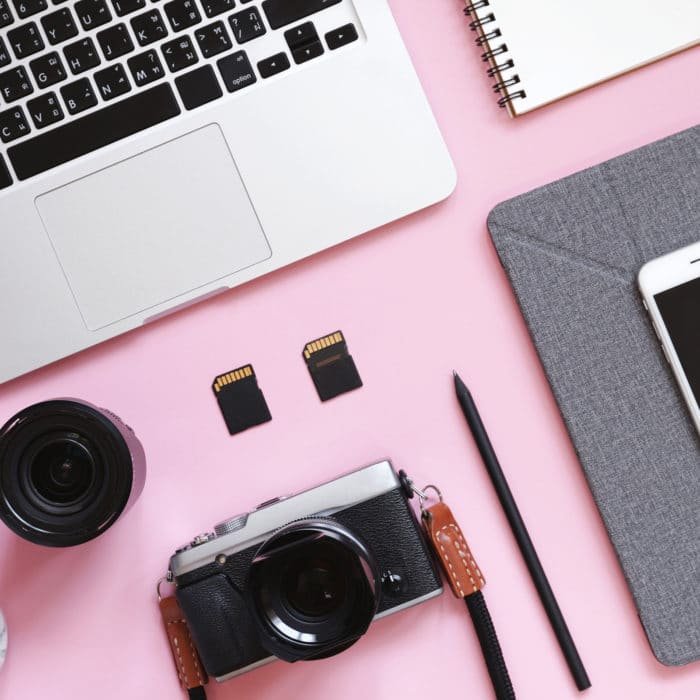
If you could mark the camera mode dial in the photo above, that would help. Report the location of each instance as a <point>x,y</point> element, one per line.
<point>231,525</point>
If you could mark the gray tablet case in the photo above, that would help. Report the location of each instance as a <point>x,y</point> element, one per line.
<point>572,251</point>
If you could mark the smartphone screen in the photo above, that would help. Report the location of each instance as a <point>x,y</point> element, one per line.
<point>680,310</point>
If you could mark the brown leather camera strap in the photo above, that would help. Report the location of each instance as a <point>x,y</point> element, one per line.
<point>450,545</point>
<point>189,668</point>
<point>466,581</point>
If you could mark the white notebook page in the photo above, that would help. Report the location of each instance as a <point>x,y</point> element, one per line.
<point>562,46</point>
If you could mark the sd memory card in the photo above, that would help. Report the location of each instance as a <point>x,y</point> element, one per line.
<point>240,399</point>
<point>331,367</point>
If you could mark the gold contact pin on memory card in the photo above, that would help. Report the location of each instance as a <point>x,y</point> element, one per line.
<point>230,377</point>
<point>325,342</point>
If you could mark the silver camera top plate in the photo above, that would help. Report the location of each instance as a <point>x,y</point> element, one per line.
<point>246,530</point>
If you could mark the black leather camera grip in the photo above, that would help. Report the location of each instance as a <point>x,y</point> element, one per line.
<point>220,623</point>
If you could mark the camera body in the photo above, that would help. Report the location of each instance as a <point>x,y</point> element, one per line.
<point>303,576</point>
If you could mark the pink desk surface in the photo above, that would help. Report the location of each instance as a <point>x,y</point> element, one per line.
<point>415,299</point>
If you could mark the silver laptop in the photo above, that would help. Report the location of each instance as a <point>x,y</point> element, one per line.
<point>156,153</point>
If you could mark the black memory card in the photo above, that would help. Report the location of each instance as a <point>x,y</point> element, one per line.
<point>240,399</point>
<point>332,368</point>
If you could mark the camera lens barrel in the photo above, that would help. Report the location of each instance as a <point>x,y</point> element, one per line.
<point>68,470</point>
<point>314,590</point>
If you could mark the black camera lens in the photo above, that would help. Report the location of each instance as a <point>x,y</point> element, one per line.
<point>67,472</point>
<point>62,472</point>
<point>313,588</point>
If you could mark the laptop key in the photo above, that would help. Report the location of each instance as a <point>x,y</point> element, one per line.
<point>212,39</point>
<point>179,54</point>
<point>115,41</point>
<point>45,110</point>
<point>146,67</point>
<point>306,53</point>
<point>149,27</point>
<point>4,53</point>
<point>93,131</point>
<point>5,14</point>
<point>247,25</point>
<point>281,12</point>
<point>182,14</point>
<point>59,26</point>
<point>300,36</point>
<point>198,87</point>
<point>78,96</point>
<point>112,82</point>
<point>273,65</point>
<point>217,7</point>
<point>14,84</point>
<point>48,69</point>
<point>13,124</point>
<point>341,36</point>
<point>304,42</point>
<point>26,8</point>
<point>81,56</point>
<point>125,7</point>
<point>25,40</point>
<point>5,177</point>
<point>92,13</point>
<point>236,71</point>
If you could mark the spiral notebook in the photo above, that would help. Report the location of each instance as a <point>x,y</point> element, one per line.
<point>538,51</point>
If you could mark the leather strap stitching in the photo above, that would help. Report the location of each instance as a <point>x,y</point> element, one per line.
<point>196,660</point>
<point>182,671</point>
<point>469,566</point>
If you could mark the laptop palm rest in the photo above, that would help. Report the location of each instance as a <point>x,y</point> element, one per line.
<point>151,228</point>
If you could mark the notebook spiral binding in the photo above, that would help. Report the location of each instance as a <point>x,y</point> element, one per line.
<point>499,63</point>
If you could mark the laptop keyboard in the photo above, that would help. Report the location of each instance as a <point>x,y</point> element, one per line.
<point>79,75</point>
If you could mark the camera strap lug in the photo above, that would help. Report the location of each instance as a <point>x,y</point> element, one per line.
<point>188,665</point>
<point>410,490</point>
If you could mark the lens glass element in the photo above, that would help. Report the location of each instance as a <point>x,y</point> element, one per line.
<point>62,472</point>
<point>314,587</point>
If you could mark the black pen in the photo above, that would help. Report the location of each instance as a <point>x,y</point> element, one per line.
<point>527,549</point>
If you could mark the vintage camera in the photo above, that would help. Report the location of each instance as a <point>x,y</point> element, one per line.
<point>302,577</point>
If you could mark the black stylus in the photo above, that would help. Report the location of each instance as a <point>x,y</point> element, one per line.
<point>527,549</point>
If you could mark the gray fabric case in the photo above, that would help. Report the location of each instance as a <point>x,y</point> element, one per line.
<point>572,251</point>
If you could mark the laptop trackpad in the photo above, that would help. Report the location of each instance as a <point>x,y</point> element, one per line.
<point>148,229</point>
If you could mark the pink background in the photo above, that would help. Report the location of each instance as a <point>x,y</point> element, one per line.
<point>415,299</point>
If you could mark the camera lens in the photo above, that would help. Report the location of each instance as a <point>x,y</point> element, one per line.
<point>313,588</point>
<point>62,472</point>
<point>67,472</point>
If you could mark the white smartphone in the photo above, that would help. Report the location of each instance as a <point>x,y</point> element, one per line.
<point>670,287</point>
